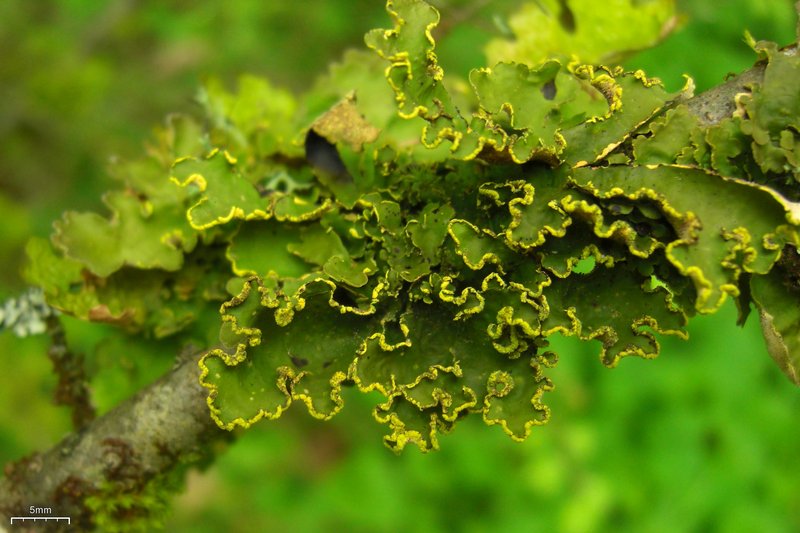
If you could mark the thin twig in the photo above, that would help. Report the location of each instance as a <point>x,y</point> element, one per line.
<point>797,11</point>
<point>72,389</point>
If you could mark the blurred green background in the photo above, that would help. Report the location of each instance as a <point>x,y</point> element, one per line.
<point>703,439</point>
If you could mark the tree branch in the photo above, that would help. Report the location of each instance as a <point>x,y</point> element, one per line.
<point>717,103</point>
<point>163,426</point>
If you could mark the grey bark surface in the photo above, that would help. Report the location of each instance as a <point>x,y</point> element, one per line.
<point>146,436</point>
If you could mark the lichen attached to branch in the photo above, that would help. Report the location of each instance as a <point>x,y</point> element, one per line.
<point>419,236</point>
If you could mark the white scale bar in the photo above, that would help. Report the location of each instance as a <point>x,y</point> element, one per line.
<point>35,518</point>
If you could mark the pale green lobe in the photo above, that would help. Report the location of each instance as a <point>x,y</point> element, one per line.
<point>632,101</point>
<point>450,368</point>
<point>263,247</point>
<point>144,268</point>
<point>149,178</point>
<point>135,235</point>
<point>317,245</point>
<point>772,113</point>
<point>531,210</point>
<point>223,194</point>
<point>152,300</point>
<point>588,306</point>
<point>724,227</point>
<point>414,72</point>
<point>342,268</point>
<point>429,230</point>
<point>55,274</point>
<point>257,118</point>
<point>306,359</point>
<point>404,259</point>
<point>779,311</point>
<point>515,96</point>
<point>584,29</point>
<point>723,147</point>
<point>477,247</point>
<point>389,216</point>
<point>530,106</point>
<point>666,139</point>
<point>296,207</point>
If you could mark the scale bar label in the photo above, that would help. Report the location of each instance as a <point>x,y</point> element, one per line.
<point>35,518</point>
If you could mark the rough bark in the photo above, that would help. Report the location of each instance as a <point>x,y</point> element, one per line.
<point>718,102</point>
<point>168,422</point>
<point>163,426</point>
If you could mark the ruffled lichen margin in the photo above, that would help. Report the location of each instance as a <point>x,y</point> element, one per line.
<point>451,313</point>
<point>420,238</point>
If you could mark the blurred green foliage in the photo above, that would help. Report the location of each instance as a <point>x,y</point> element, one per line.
<point>702,439</point>
<point>709,45</point>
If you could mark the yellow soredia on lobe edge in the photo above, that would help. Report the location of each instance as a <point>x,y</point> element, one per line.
<point>453,234</point>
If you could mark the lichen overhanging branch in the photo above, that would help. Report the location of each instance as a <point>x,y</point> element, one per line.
<point>341,233</point>
<point>434,267</point>
<point>477,227</point>
<point>470,215</point>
